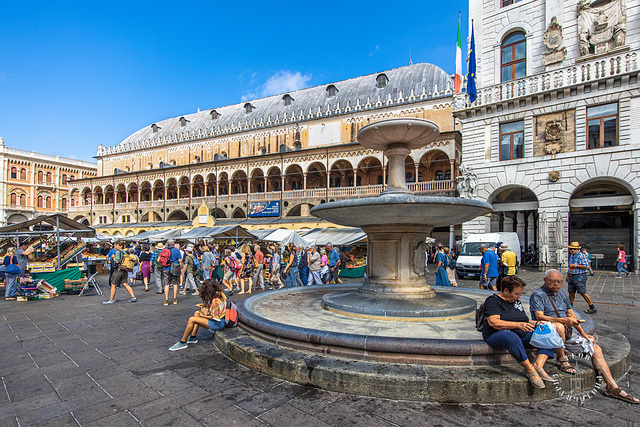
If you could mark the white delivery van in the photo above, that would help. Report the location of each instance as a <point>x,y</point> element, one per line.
<point>468,262</point>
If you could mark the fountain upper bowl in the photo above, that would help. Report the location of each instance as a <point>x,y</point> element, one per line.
<point>404,209</point>
<point>411,132</point>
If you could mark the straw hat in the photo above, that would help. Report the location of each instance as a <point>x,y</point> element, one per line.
<point>504,247</point>
<point>574,245</point>
<point>159,245</point>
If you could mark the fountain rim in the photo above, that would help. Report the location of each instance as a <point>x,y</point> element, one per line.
<point>389,344</point>
<point>403,199</point>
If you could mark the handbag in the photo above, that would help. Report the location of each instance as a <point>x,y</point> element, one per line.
<point>568,332</point>
<point>12,268</point>
<point>546,336</point>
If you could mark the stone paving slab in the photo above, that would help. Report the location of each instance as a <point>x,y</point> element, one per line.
<point>119,348</point>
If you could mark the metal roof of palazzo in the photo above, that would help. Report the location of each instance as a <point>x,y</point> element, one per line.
<point>427,81</point>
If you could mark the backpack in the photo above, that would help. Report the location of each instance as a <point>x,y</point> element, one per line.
<point>196,264</point>
<point>234,264</point>
<point>481,317</point>
<point>128,262</point>
<point>165,257</point>
<point>231,315</point>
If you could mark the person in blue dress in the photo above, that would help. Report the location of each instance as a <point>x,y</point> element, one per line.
<point>441,271</point>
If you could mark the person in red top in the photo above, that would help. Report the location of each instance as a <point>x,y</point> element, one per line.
<point>258,261</point>
<point>622,260</point>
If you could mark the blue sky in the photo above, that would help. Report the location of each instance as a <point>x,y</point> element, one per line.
<point>77,74</point>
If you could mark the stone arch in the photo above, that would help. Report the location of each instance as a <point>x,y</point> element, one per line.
<point>316,175</point>
<point>341,173</point>
<point>109,195</point>
<point>223,182</point>
<point>370,171</point>
<point>158,190</point>
<point>239,213</point>
<point>197,186</point>
<point>121,193</point>
<point>293,178</point>
<point>98,196</point>
<point>177,215</point>
<point>146,192</point>
<point>239,182</point>
<point>601,217</point>
<point>82,220</point>
<point>274,179</point>
<point>434,166</point>
<point>258,181</point>
<point>184,188</point>
<point>301,209</point>
<point>172,189</point>
<point>16,219</point>
<point>218,213</point>
<point>151,217</point>
<point>516,209</point>
<point>211,184</point>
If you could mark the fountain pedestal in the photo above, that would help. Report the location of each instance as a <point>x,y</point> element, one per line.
<point>397,223</point>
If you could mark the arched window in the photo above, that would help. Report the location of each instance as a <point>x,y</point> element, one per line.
<point>439,176</point>
<point>23,200</point>
<point>23,174</point>
<point>379,179</point>
<point>447,174</point>
<point>39,201</point>
<point>49,176</point>
<point>14,199</point>
<point>64,204</point>
<point>40,177</point>
<point>513,53</point>
<point>14,173</point>
<point>382,80</point>
<point>73,202</point>
<point>49,202</point>
<point>64,179</point>
<point>331,91</point>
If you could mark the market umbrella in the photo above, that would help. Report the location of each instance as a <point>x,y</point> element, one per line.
<point>560,242</point>
<point>544,239</point>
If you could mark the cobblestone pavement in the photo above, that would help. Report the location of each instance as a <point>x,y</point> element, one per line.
<point>72,360</point>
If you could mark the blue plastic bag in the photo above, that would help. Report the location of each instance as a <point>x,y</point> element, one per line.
<point>546,336</point>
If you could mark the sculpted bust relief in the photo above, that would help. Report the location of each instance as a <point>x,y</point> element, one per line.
<point>601,26</point>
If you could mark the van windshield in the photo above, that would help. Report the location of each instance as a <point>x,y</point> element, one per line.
<point>471,249</point>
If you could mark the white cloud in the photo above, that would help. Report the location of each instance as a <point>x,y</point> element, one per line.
<point>281,82</point>
<point>374,51</point>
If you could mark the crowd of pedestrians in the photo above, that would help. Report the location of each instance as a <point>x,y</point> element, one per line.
<point>178,270</point>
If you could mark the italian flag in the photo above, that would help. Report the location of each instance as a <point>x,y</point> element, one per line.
<point>457,80</point>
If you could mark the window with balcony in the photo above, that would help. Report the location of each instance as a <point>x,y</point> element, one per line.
<point>40,176</point>
<point>64,179</point>
<point>14,199</point>
<point>64,204</point>
<point>513,53</point>
<point>23,174</point>
<point>23,200</point>
<point>14,173</point>
<point>602,126</point>
<point>512,140</point>
<point>49,177</point>
<point>48,202</point>
<point>40,200</point>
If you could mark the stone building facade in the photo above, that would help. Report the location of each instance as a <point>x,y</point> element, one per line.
<point>554,134</point>
<point>34,184</point>
<point>298,149</point>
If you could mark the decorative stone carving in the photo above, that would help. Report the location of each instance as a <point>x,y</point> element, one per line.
<point>419,260</point>
<point>601,26</point>
<point>554,133</point>
<point>554,176</point>
<point>466,182</point>
<point>553,42</point>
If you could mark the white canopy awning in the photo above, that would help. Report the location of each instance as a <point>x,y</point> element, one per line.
<point>155,235</point>
<point>226,232</point>
<point>336,236</point>
<point>284,237</point>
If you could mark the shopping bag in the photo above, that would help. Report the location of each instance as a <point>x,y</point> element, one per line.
<point>546,336</point>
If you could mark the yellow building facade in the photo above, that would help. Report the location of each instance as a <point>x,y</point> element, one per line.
<point>34,184</point>
<point>287,152</point>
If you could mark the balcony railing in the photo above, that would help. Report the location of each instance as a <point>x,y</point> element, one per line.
<point>579,73</point>
<point>312,193</point>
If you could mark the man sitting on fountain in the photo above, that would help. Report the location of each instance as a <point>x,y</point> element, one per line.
<point>550,303</point>
<point>508,327</point>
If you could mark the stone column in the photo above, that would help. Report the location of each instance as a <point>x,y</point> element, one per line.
<point>304,181</point>
<point>397,154</point>
<point>282,185</point>
<point>415,176</point>
<point>304,210</point>
<point>452,168</point>
<point>355,177</point>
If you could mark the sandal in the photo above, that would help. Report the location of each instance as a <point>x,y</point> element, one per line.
<point>564,365</point>
<point>536,383</point>
<point>543,374</point>
<point>615,393</point>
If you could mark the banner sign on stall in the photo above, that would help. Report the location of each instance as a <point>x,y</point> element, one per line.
<point>258,209</point>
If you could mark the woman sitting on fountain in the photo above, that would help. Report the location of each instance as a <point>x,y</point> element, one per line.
<point>508,327</point>
<point>210,315</point>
